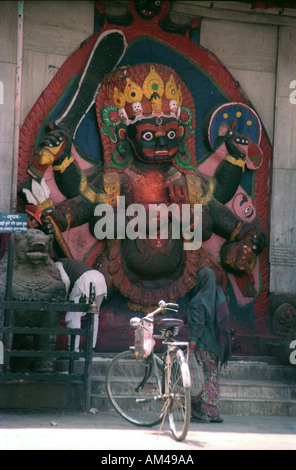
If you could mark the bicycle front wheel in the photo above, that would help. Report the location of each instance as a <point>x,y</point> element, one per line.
<point>179,393</point>
<point>133,388</point>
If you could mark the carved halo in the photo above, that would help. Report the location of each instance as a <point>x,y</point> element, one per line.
<point>246,122</point>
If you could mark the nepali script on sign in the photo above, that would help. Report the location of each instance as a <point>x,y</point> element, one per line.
<point>13,223</point>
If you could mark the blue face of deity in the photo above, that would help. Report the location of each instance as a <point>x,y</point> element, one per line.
<point>155,140</point>
<point>148,9</point>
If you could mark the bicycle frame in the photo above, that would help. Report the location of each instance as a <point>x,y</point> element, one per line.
<point>145,388</point>
<point>170,346</point>
<point>176,347</point>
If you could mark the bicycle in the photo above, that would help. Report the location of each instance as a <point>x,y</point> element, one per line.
<point>143,387</point>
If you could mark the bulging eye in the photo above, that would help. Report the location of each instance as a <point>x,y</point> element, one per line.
<point>171,135</point>
<point>148,136</point>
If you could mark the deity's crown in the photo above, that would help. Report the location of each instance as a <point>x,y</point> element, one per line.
<point>147,95</point>
<point>142,91</point>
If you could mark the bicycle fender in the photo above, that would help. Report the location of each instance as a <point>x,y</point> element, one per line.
<point>185,369</point>
<point>186,375</point>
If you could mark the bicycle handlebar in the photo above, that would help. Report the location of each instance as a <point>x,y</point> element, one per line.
<point>163,306</point>
<point>136,322</point>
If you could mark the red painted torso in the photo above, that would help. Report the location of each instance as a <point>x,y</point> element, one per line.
<point>151,258</point>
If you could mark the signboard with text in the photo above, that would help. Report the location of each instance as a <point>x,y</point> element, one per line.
<point>13,223</point>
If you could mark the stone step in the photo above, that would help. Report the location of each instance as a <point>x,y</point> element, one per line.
<point>231,389</point>
<point>249,386</point>
<point>258,369</point>
<point>238,368</point>
<point>236,398</point>
<point>258,407</point>
<point>231,406</point>
<point>255,389</point>
<point>258,386</point>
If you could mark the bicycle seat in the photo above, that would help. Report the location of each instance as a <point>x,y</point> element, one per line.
<point>167,323</point>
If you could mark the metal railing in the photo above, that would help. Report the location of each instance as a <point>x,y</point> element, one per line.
<point>40,308</point>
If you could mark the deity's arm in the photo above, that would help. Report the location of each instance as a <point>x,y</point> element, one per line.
<point>244,241</point>
<point>77,210</point>
<point>227,177</point>
<point>224,221</point>
<point>56,150</point>
<point>68,214</point>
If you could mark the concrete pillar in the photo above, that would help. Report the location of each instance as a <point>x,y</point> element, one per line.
<point>283,201</point>
<point>53,30</point>
<point>251,60</point>
<point>8,25</point>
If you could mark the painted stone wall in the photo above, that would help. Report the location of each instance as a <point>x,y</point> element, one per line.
<point>253,63</point>
<point>215,102</point>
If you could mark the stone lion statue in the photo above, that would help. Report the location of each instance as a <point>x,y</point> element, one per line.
<point>36,278</point>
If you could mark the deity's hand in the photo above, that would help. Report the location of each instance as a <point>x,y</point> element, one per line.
<point>236,143</point>
<point>255,236</point>
<point>55,146</point>
<point>239,257</point>
<point>258,240</point>
<point>178,195</point>
<point>52,218</point>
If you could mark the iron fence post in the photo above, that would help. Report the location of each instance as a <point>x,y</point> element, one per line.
<point>88,360</point>
<point>89,348</point>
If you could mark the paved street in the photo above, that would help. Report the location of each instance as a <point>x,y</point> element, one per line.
<point>108,431</point>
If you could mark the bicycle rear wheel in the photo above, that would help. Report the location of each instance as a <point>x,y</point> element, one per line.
<point>133,388</point>
<point>179,391</point>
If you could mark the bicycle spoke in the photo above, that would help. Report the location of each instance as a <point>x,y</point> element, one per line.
<point>145,391</point>
<point>133,389</point>
<point>179,410</point>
